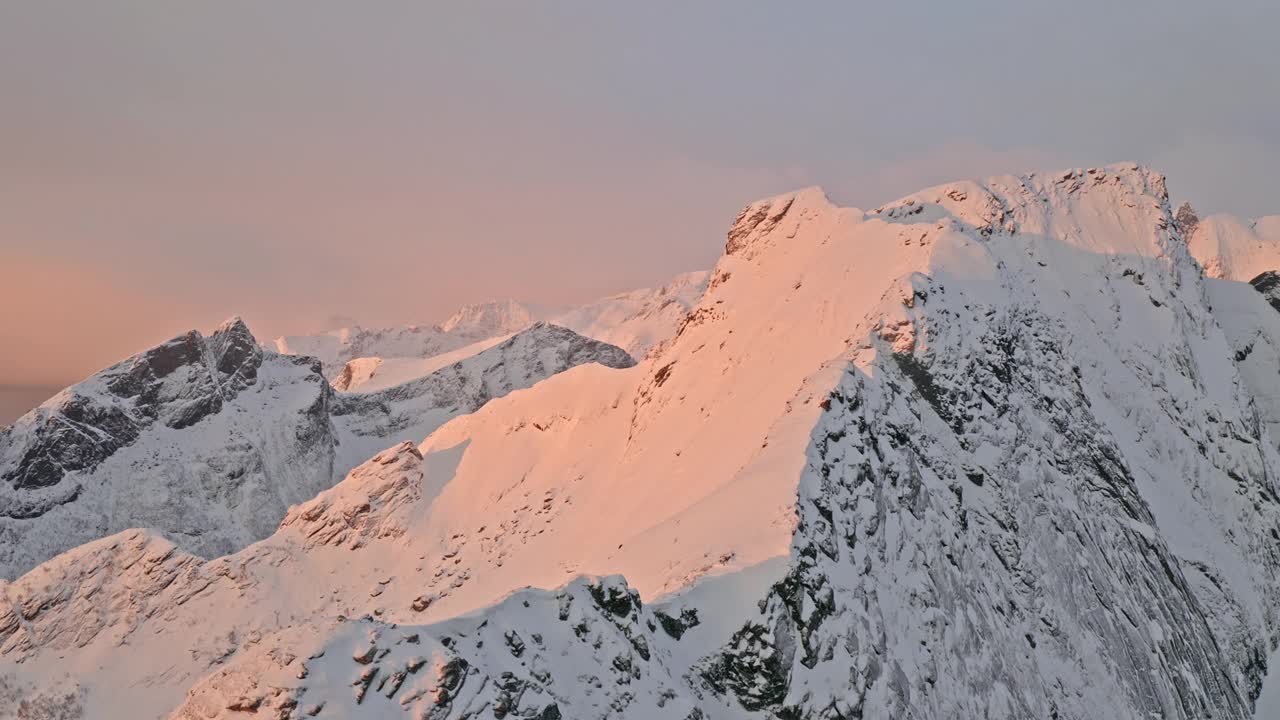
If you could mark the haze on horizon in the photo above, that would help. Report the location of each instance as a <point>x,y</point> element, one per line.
<point>168,165</point>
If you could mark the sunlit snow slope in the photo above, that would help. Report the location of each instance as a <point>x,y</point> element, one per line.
<point>208,440</point>
<point>986,451</point>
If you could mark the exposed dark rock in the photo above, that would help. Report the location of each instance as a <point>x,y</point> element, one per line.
<point>1268,283</point>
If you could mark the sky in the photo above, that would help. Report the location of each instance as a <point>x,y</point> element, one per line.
<point>166,165</point>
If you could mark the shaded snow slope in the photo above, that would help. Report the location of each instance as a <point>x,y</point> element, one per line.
<point>210,440</point>
<point>985,451</point>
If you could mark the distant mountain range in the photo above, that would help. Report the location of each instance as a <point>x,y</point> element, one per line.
<point>633,321</point>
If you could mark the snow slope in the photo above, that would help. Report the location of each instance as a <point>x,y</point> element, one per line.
<point>367,422</point>
<point>210,440</point>
<point>206,439</point>
<point>636,321</point>
<point>374,373</point>
<point>1232,249</point>
<point>986,451</point>
<point>633,321</point>
<point>468,325</point>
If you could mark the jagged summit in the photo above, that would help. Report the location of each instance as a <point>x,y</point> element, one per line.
<point>177,383</point>
<point>987,451</point>
<point>209,439</point>
<point>234,324</point>
<point>185,437</point>
<point>495,317</point>
<point>759,218</point>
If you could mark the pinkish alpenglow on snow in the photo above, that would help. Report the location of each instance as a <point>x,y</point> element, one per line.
<point>997,448</point>
<point>648,361</point>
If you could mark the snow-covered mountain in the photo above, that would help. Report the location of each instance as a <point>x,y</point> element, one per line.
<point>987,451</point>
<point>492,318</point>
<point>468,325</point>
<point>634,321</point>
<point>366,422</point>
<point>1235,249</point>
<point>209,440</point>
<point>638,320</point>
<point>368,374</point>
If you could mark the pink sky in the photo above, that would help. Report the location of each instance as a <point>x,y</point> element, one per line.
<point>162,168</point>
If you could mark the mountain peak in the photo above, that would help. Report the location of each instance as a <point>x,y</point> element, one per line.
<point>985,449</point>
<point>494,316</point>
<point>234,324</point>
<point>760,218</point>
<point>236,353</point>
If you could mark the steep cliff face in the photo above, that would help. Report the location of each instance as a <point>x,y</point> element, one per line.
<point>1040,491</point>
<point>176,384</point>
<point>206,439</point>
<point>987,451</point>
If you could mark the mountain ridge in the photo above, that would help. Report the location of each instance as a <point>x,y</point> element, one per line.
<point>987,449</point>
<point>634,320</point>
<point>211,439</point>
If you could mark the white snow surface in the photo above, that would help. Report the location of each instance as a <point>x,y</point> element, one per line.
<point>370,374</point>
<point>1235,249</point>
<point>633,321</point>
<point>212,460</point>
<point>637,320</point>
<point>166,440</point>
<point>468,325</point>
<point>367,420</point>
<point>987,451</point>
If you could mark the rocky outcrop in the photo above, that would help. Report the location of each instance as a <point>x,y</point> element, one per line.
<point>356,372</point>
<point>206,439</point>
<point>589,650</point>
<point>177,384</point>
<point>759,219</point>
<point>110,586</point>
<point>1268,283</point>
<point>981,535</point>
<point>369,504</point>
